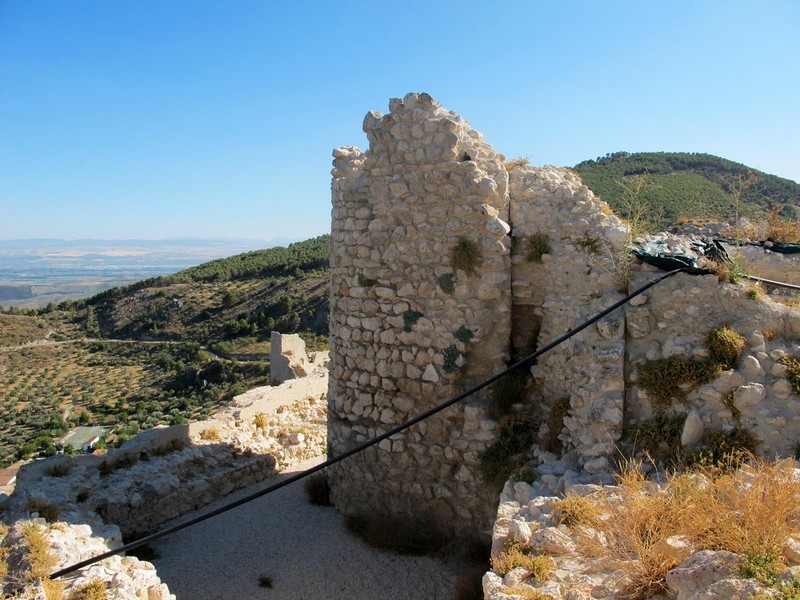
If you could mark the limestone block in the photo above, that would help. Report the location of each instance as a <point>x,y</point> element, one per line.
<point>748,395</point>
<point>791,550</point>
<point>693,429</point>
<point>552,540</point>
<point>674,549</point>
<point>752,367</point>
<point>700,571</point>
<point>782,388</point>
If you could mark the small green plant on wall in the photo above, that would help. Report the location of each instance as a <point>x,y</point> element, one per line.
<point>589,243</point>
<point>447,283</point>
<point>464,334</point>
<point>410,318</point>
<point>466,256</point>
<point>451,355</point>
<point>537,245</point>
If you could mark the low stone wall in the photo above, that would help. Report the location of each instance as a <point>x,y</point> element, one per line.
<point>169,471</point>
<point>675,318</point>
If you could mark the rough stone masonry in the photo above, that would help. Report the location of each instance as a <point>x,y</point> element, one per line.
<point>447,262</point>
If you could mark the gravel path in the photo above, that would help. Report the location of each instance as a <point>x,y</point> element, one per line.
<point>305,549</point>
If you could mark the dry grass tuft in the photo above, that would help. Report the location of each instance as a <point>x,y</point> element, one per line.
<point>466,256</point>
<point>210,435</point>
<point>792,372</point>
<point>517,554</point>
<point>39,557</point>
<point>261,421</point>
<point>528,593</point>
<point>44,508</point>
<point>519,161</point>
<point>575,510</point>
<point>725,346</point>
<point>749,510</point>
<point>94,590</point>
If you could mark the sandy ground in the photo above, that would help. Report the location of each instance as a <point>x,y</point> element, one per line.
<point>305,549</point>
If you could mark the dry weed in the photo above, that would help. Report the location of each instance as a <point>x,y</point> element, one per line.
<point>750,509</point>
<point>517,554</point>
<point>575,510</point>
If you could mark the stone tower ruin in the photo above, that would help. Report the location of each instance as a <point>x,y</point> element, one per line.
<point>447,262</point>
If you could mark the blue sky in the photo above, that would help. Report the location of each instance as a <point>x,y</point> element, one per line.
<point>154,119</point>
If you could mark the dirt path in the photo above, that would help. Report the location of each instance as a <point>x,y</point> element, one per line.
<point>305,549</point>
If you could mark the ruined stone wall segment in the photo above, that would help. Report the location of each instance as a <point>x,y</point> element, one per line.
<point>674,318</point>
<point>576,278</point>
<point>409,329</point>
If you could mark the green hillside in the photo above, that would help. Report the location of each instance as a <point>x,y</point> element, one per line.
<point>681,184</point>
<point>228,304</point>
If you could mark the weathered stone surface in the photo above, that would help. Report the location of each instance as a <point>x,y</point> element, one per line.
<point>287,357</point>
<point>693,429</point>
<point>700,571</point>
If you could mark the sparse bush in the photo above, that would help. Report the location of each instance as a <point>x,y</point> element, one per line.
<point>526,474</point>
<point>410,318</point>
<point>265,581</point>
<point>589,243</point>
<point>555,423</point>
<point>725,346</point>
<point>752,509</point>
<point>507,391</point>
<point>574,510</point>
<point>451,356</point>
<point>507,453</point>
<point>59,470</point>
<point>94,590</point>
<point>763,564</point>
<point>175,445</point>
<point>46,509</point>
<point>526,592</point>
<point>792,372</point>
<point>105,468</point>
<point>125,461</point>
<point>464,334</point>
<point>210,435</point>
<point>659,437</point>
<point>466,256</point>
<point>537,245</point>
<point>669,379</point>
<point>82,496</point>
<point>755,292</point>
<point>780,229</point>
<point>317,489</point>
<point>447,283</point>
<point>726,448</point>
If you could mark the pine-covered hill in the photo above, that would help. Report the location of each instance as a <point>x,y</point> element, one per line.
<point>683,184</point>
<point>225,304</point>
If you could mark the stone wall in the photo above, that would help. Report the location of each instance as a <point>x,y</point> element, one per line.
<point>555,290</point>
<point>410,324</point>
<point>410,329</point>
<point>674,319</point>
<point>168,471</point>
